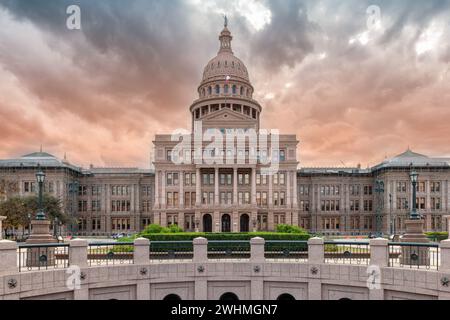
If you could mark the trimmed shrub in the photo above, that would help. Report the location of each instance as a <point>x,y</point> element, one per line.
<point>437,236</point>
<point>285,228</point>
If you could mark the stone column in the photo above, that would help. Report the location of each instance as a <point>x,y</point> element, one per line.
<point>200,250</point>
<point>181,195</point>
<point>1,226</point>
<point>253,193</point>
<point>316,253</point>
<point>8,257</point>
<point>198,191</point>
<point>156,189</point>
<point>295,192</point>
<point>257,250</point>
<point>78,253</point>
<point>379,255</point>
<point>445,256</point>
<point>216,186</point>
<point>141,251</point>
<point>288,189</point>
<point>235,187</point>
<point>163,189</point>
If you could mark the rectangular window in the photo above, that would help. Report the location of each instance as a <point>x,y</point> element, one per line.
<point>282,199</point>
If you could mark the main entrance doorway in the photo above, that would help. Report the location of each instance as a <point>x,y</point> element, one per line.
<point>226,223</point>
<point>207,223</point>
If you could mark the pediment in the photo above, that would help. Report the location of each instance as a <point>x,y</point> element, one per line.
<point>226,115</point>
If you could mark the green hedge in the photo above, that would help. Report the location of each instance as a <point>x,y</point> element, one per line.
<point>169,238</point>
<point>189,236</point>
<point>437,236</point>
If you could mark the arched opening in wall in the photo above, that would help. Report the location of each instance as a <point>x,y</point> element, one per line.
<point>286,297</point>
<point>245,221</point>
<point>234,90</point>
<point>226,223</point>
<point>217,89</point>
<point>242,91</point>
<point>209,90</point>
<point>229,296</point>
<point>207,223</point>
<point>172,297</point>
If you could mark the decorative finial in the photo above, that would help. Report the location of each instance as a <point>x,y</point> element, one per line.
<point>225,18</point>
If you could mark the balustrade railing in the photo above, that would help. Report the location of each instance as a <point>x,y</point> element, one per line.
<point>34,257</point>
<point>110,253</point>
<point>286,250</point>
<point>414,255</point>
<point>342,252</point>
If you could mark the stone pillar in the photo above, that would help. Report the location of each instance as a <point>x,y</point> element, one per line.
<point>448,224</point>
<point>200,250</point>
<point>295,192</point>
<point>379,254</point>
<point>445,256</point>
<point>316,251</point>
<point>78,253</point>
<point>40,234</point>
<point>216,186</point>
<point>198,190</point>
<point>235,187</point>
<point>141,251</point>
<point>157,189</point>
<point>163,189</point>
<point>253,192</point>
<point>216,222</point>
<point>181,196</point>
<point>1,226</point>
<point>8,257</point>
<point>257,250</point>
<point>413,255</point>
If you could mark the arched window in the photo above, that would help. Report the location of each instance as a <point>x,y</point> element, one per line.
<point>242,91</point>
<point>226,89</point>
<point>217,89</point>
<point>172,297</point>
<point>286,297</point>
<point>229,296</point>
<point>234,89</point>
<point>209,90</point>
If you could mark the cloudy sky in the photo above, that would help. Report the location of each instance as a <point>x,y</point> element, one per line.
<point>354,88</point>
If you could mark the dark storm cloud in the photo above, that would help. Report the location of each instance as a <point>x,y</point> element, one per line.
<point>288,39</point>
<point>103,92</point>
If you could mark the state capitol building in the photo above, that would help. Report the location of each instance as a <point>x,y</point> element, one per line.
<point>236,197</point>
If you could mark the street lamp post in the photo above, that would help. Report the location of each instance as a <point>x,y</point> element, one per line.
<point>413,214</point>
<point>40,178</point>
<point>414,232</point>
<point>379,190</point>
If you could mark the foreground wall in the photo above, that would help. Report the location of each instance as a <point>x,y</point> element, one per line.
<point>202,279</point>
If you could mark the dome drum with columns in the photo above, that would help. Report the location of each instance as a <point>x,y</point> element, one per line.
<point>226,84</point>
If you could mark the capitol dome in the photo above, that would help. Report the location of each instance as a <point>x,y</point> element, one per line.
<point>225,73</point>
<point>225,63</point>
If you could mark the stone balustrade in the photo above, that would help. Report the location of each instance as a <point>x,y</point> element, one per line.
<point>257,277</point>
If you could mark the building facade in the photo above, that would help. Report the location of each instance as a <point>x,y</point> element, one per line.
<point>235,196</point>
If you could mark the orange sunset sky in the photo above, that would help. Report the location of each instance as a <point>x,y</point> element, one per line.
<point>351,94</point>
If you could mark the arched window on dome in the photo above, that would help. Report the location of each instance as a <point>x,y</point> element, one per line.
<point>209,90</point>
<point>226,87</point>
<point>242,91</point>
<point>226,64</point>
<point>217,89</point>
<point>232,64</point>
<point>234,90</point>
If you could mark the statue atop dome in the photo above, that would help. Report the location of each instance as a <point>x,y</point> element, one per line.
<point>225,18</point>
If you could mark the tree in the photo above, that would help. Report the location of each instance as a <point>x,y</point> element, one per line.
<point>16,209</point>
